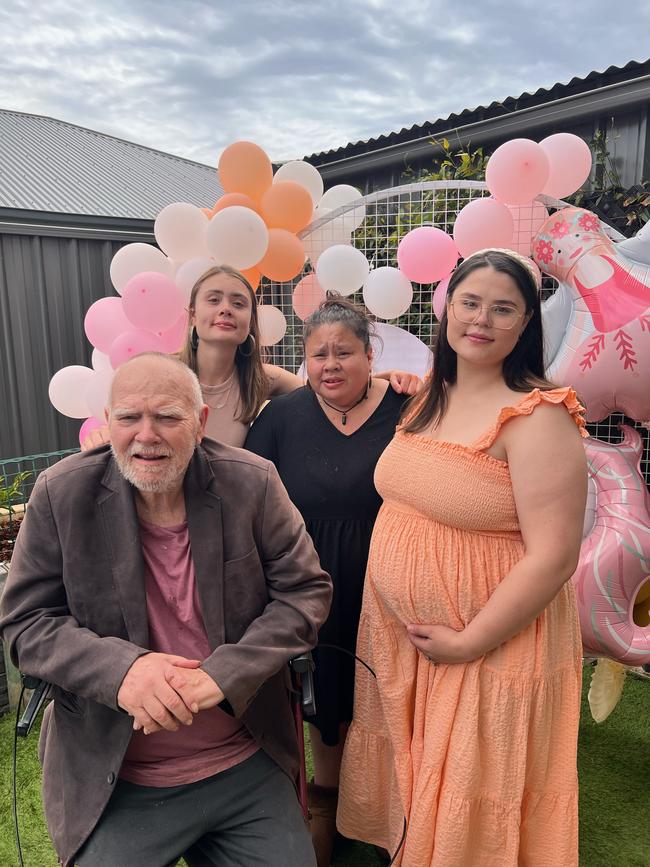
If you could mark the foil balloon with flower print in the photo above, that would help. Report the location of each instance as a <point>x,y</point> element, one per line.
<point>603,349</point>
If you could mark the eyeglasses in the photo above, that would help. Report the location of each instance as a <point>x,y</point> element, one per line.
<point>499,316</point>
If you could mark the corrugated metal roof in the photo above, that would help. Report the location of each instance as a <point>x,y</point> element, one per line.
<point>50,165</point>
<point>612,75</point>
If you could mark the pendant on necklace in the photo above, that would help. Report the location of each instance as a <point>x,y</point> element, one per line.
<point>344,418</point>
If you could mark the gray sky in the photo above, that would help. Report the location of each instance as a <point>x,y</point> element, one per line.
<point>189,77</point>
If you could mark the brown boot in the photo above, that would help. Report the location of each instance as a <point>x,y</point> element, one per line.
<point>322,807</point>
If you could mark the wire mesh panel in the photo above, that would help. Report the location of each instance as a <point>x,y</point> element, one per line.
<point>385,217</point>
<point>18,477</point>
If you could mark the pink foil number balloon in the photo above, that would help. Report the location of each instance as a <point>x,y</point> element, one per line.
<point>613,567</point>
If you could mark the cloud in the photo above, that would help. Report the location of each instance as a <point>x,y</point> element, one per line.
<point>191,77</point>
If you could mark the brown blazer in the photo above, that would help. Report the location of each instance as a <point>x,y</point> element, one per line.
<point>74,612</point>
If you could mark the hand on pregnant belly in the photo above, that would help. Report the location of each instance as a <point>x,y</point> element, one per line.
<point>440,643</point>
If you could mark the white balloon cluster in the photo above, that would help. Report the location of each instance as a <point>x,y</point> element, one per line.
<point>387,292</point>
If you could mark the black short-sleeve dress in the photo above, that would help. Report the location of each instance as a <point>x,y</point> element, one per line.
<point>329,477</point>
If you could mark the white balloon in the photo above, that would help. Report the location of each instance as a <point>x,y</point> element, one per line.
<point>328,235</point>
<point>133,259</point>
<point>304,174</point>
<point>100,361</point>
<point>340,195</point>
<point>190,271</point>
<point>387,292</point>
<point>237,236</point>
<point>67,390</point>
<point>273,325</point>
<point>397,349</point>
<point>180,231</point>
<point>97,390</point>
<point>342,269</point>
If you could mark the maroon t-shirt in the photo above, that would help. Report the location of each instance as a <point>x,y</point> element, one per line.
<point>215,741</point>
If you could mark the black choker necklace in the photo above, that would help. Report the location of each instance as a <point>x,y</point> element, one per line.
<point>344,412</point>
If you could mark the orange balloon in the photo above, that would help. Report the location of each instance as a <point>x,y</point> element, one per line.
<point>245,168</point>
<point>253,276</point>
<point>235,199</point>
<point>284,258</point>
<point>287,205</point>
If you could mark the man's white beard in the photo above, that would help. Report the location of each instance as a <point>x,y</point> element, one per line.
<point>160,482</point>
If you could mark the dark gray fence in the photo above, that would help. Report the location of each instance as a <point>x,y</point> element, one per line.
<point>48,280</point>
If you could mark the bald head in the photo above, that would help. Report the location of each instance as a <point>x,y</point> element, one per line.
<point>156,418</point>
<point>157,373</point>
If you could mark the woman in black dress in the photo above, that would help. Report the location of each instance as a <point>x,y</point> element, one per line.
<point>325,440</point>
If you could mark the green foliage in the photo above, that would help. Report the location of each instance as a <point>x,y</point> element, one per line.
<point>464,164</point>
<point>628,209</point>
<point>12,493</point>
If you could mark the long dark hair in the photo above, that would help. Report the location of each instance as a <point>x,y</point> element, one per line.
<point>523,368</point>
<point>249,361</point>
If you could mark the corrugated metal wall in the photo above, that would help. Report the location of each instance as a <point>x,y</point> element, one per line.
<point>46,286</point>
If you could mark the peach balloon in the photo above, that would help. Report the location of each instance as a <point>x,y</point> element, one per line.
<point>229,199</point>
<point>287,205</point>
<point>307,295</point>
<point>253,276</point>
<point>284,258</point>
<point>245,168</point>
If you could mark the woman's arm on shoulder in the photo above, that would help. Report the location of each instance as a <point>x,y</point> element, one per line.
<point>281,381</point>
<point>401,381</point>
<point>99,437</point>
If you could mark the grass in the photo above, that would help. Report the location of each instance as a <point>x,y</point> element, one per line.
<point>614,766</point>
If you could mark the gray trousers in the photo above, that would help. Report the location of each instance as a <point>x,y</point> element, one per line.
<point>247,816</point>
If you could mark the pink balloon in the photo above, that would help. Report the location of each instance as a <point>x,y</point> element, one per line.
<point>426,254</point>
<point>132,343</point>
<point>483,223</point>
<point>517,171</point>
<point>174,337</point>
<point>569,159</point>
<point>88,427</point>
<point>152,301</point>
<point>528,219</point>
<point>440,297</point>
<point>307,295</point>
<point>104,320</point>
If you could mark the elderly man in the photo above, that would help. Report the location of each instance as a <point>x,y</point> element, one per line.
<point>161,585</point>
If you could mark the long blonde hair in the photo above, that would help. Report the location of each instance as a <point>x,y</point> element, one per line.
<point>249,364</point>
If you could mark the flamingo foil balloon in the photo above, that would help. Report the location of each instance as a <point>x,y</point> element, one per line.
<point>599,339</point>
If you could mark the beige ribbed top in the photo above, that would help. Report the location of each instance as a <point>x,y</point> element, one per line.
<point>223,400</point>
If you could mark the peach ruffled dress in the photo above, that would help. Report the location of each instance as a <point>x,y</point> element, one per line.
<point>479,758</point>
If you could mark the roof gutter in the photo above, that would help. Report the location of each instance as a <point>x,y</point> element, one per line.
<point>555,113</point>
<point>15,221</point>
